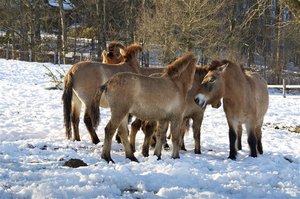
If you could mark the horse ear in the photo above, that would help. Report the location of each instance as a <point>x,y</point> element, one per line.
<point>122,52</point>
<point>223,68</point>
<point>104,53</point>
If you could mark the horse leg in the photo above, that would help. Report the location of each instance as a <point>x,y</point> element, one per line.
<point>258,136</point>
<point>110,129</point>
<point>175,131</point>
<point>252,141</point>
<point>89,125</point>
<point>239,132</point>
<point>153,140</point>
<point>118,139</point>
<point>123,133</point>
<point>184,127</point>
<point>135,126</point>
<point>232,140</point>
<point>197,122</point>
<point>76,107</point>
<point>160,137</point>
<point>148,129</point>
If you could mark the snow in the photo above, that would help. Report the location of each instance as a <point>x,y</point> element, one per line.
<point>33,149</point>
<point>67,5</point>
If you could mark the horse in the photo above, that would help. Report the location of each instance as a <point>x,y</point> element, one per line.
<point>115,54</point>
<point>148,98</point>
<point>245,101</point>
<point>192,111</point>
<point>81,83</point>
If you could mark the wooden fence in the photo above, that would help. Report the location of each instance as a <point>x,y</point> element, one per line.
<point>285,87</point>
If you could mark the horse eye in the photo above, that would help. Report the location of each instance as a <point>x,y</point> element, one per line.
<point>212,80</point>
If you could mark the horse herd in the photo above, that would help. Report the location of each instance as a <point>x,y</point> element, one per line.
<point>162,97</point>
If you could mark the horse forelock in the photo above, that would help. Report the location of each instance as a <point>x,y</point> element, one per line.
<point>179,65</point>
<point>131,51</point>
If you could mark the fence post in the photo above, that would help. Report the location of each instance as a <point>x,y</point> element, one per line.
<point>54,57</point>
<point>58,58</point>
<point>283,88</point>
<point>30,55</point>
<point>7,53</point>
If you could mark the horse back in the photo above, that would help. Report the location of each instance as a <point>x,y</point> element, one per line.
<point>259,89</point>
<point>156,97</point>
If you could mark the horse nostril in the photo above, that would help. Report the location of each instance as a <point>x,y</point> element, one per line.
<point>196,100</point>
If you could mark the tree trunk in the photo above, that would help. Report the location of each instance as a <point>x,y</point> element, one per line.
<point>278,68</point>
<point>101,25</point>
<point>63,30</point>
<point>23,33</point>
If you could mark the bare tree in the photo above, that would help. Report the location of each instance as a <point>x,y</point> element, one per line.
<point>179,26</point>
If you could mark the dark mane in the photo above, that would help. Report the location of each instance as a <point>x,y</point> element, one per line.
<point>179,65</point>
<point>201,69</point>
<point>131,50</point>
<point>215,64</point>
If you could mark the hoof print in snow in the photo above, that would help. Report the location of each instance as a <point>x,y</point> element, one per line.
<point>30,146</point>
<point>75,163</point>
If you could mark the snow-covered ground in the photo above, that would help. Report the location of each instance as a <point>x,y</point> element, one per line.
<point>33,150</point>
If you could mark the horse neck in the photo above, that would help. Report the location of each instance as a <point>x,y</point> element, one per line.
<point>134,65</point>
<point>198,78</point>
<point>235,82</point>
<point>185,80</point>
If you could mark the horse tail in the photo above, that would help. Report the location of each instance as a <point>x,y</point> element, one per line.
<point>95,113</point>
<point>67,102</point>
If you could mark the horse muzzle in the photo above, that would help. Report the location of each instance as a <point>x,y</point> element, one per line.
<point>201,100</point>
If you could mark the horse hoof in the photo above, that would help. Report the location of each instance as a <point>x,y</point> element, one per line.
<point>96,141</point>
<point>108,159</point>
<point>145,154</point>
<point>232,157</point>
<point>253,155</point>
<point>197,151</point>
<point>133,159</point>
<point>176,157</point>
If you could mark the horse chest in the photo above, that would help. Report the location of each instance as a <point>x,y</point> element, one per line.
<point>238,112</point>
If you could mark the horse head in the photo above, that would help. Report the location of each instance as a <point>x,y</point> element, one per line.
<point>131,55</point>
<point>115,53</point>
<point>212,87</point>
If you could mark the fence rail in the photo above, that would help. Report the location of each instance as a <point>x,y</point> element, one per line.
<point>287,86</point>
<point>284,87</point>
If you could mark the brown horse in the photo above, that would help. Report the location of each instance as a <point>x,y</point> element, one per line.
<point>148,98</point>
<point>192,111</point>
<point>115,54</point>
<point>82,82</point>
<point>245,101</point>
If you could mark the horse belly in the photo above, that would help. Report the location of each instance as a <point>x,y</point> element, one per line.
<point>157,109</point>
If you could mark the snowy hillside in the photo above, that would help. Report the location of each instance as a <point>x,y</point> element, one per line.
<point>33,150</point>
